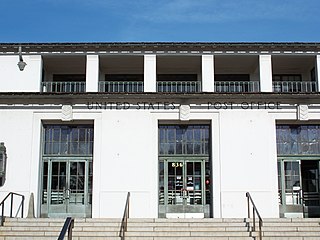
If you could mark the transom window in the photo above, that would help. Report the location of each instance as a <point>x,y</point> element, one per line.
<point>68,140</point>
<point>297,140</point>
<point>184,139</point>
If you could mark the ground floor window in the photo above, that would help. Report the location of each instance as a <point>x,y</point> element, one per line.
<point>184,171</point>
<point>298,149</point>
<point>67,170</point>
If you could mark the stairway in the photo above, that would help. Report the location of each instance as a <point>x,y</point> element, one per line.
<point>291,229</point>
<point>161,229</point>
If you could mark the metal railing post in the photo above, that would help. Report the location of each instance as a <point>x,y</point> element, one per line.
<point>11,207</point>
<point>67,226</point>
<point>248,207</point>
<point>254,212</point>
<point>2,214</point>
<point>2,203</point>
<point>254,219</point>
<point>124,221</point>
<point>22,207</point>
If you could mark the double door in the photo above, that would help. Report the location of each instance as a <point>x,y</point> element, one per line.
<point>299,188</point>
<point>185,188</point>
<point>67,188</point>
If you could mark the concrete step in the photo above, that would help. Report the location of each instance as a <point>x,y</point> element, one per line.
<point>160,229</point>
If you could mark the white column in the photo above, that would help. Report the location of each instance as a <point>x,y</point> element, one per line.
<point>207,73</point>
<point>150,73</point>
<point>92,73</point>
<point>318,72</point>
<point>265,69</point>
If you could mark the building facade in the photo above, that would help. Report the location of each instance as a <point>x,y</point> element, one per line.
<point>186,128</point>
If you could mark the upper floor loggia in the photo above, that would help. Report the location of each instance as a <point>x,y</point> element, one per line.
<point>161,67</point>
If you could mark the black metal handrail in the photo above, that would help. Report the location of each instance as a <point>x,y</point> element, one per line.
<point>68,226</point>
<point>124,221</point>
<point>2,204</point>
<point>254,212</point>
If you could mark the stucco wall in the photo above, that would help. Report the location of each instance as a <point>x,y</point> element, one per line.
<point>14,80</point>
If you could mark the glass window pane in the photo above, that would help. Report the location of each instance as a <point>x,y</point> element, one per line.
<point>296,139</point>
<point>68,140</point>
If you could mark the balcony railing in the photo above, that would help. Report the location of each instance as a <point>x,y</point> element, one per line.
<point>64,87</point>
<point>237,86</point>
<point>295,86</point>
<point>120,87</point>
<point>179,86</point>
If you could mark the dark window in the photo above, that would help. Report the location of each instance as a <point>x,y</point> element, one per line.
<point>124,77</point>
<point>313,74</point>
<point>286,77</point>
<point>177,77</point>
<point>69,77</point>
<point>232,77</point>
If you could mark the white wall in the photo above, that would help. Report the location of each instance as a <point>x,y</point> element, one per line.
<point>14,80</point>
<point>16,133</point>
<point>129,163</point>
<point>248,162</point>
<point>126,158</point>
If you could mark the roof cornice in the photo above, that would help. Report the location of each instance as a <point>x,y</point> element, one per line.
<point>154,47</point>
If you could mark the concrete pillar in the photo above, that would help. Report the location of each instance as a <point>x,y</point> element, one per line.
<point>150,73</point>
<point>207,73</point>
<point>318,72</point>
<point>92,73</point>
<point>265,69</point>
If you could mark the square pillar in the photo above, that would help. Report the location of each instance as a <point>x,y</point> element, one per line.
<point>265,69</point>
<point>92,73</point>
<point>150,73</point>
<point>207,73</point>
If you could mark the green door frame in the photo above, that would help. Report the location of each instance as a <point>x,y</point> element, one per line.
<point>299,207</point>
<point>185,208</point>
<point>66,208</point>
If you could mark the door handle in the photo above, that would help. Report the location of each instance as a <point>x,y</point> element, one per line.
<point>185,193</point>
<point>67,193</point>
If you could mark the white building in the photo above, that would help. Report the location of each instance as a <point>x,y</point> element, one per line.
<point>187,128</point>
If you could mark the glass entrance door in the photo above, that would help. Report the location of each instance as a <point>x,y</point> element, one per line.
<point>299,188</point>
<point>184,189</point>
<point>67,188</point>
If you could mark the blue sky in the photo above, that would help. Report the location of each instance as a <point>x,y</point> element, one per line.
<point>159,21</point>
